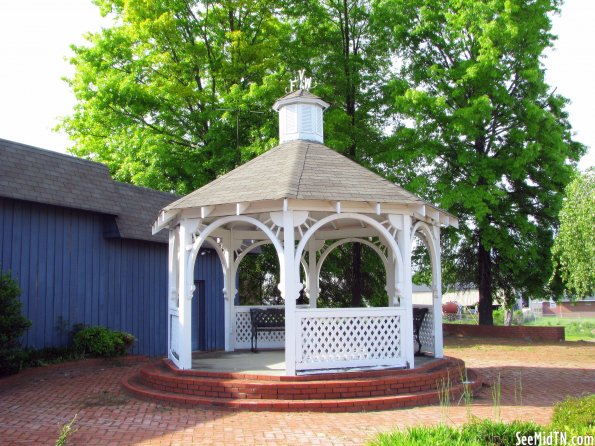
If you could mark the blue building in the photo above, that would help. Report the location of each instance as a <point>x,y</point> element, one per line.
<point>80,246</point>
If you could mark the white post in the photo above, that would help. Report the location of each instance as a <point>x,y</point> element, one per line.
<point>391,282</point>
<point>185,290</point>
<point>229,293</point>
<point>172,290</point>
<point>289,291</point>
<point>313,279</point>
<point>437,295</point>
<point>404,242</point>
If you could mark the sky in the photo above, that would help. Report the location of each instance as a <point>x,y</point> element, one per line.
<point>35,39</point>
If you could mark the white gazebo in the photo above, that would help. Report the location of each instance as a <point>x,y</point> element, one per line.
<point>306,199</point>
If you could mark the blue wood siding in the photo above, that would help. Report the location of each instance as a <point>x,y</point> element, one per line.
<point>208,268</point>
<point>67,269</point>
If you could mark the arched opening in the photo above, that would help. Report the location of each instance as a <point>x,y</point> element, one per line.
<point>426,273</point>
<point>335,273</point>
<point>384,236</point>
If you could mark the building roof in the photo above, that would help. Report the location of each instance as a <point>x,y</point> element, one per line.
<point>42,176</point>
<point>298,170</point>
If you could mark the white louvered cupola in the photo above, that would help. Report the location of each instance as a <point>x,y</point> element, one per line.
<point>300,116</point>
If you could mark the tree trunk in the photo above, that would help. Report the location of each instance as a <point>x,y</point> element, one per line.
<point>508,317</point>
<point>356,277</point>
<point>485,285</point>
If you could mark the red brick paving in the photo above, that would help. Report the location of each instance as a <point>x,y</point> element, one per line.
<point>34,404</point>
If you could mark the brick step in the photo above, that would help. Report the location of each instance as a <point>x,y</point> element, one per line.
<point>136,386</point>
<point>342,375</point>
<point>160,377</point>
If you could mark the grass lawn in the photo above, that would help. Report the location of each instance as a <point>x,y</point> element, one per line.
<point>576,329</point>
<point>582,329</point>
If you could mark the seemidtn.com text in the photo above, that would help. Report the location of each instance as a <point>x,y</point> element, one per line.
<point>554,438</point>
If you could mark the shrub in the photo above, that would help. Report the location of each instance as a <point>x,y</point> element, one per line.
<point>477,433</point>
<point>12,326</point>
<point>102,342</point>
<point>575,415</point>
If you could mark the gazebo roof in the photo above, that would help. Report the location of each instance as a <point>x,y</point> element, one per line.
<point>298,170</point>
<point>301,169</point>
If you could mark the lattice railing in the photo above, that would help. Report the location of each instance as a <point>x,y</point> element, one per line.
<point>243,330</point>
<point>344,338</point>
<point>426,333</point>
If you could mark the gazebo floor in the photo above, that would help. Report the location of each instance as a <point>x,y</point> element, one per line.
<point>256,381</point>
<point>264,362</point>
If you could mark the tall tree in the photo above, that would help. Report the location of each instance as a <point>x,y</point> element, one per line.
<point>574,247</point>
<point>338,41</point>
<point>159,94</point>
<point>489,139</point>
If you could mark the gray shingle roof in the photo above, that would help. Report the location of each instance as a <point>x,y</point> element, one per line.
<point>42,176</point>
<point>299,170</point>
<point>299,94</point>
<point>139,209</point>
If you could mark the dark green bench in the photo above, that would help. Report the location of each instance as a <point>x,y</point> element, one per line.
<point>269,319</point>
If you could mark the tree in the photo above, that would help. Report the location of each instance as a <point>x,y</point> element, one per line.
<point>12,326</point>
<point>340,43</point>
<point>489,138</point>
<point>165,97</point>
<point>574,246</point>
<point>159,93</point>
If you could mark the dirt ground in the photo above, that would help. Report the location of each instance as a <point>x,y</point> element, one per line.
<point>36,403</point>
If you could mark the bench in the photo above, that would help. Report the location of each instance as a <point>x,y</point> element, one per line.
<point>419,314</point>
<point>270,319</point>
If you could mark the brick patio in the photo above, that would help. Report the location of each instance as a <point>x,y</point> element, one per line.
<point>34,404</point>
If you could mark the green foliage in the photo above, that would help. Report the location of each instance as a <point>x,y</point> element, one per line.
<point>66,432</point>
<point>166,98</point>
<point>579,329</point>
<point>478,433</point>
<point>574,247</point>
<point>102,342</point>
<point>575,416</point>
<point>336,279</point>
<point>259,277</point>
<point>499,314</point>
<point>487,138</point>
<point>158,92</point>
<point>12,326</point>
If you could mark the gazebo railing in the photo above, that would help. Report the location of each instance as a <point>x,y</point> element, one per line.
<point>243,330</point>
<point>333,338</point>
<point>426,333</point>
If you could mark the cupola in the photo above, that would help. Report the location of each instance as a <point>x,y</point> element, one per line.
<point>300,113</point>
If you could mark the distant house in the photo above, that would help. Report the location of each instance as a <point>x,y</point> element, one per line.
<point>568,308</point>
<point>422,295</point>
<point>80,246</point>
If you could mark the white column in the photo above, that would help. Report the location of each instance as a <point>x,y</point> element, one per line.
<point>185,290</point>
<point>229,292</point>
<point>437,295</point>
<point>391,282</point>
<point>313,279</point>
<point>289,290</point>
<point>404,242</point>
<point>172,291</point>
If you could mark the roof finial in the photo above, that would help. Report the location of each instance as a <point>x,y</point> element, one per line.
<point>303,82</point>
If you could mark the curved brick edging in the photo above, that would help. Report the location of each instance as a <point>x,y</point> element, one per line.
<point>388,390</point>
<point>530,333</point>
